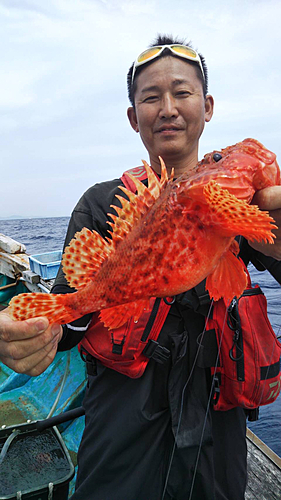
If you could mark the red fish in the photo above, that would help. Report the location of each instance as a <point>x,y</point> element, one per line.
<point>165,240</point>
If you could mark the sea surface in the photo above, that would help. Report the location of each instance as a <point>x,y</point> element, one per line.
<point>38,235</point>
<point>48,234</point>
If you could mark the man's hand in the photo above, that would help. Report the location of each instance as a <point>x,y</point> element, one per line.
<point>28,346</point>
<point>270,199</point>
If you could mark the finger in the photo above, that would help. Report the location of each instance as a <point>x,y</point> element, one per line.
<point>268,198</point>
<point>20,349</point>
<point>276,215</point>
<point>33,364</point>
<point>43,365</point>
<point>268,249</point>
<point>18,330</point>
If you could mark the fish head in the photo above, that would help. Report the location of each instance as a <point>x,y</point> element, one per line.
<point>268,174</point>
<point>243,169</point>
<point>264,166</point>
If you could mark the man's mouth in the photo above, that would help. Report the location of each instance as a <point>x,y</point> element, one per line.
<point>167,129</point>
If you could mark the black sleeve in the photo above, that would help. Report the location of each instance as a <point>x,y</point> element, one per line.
<point>260,261</point>
<point>74,331</point>
<point>92,212</point>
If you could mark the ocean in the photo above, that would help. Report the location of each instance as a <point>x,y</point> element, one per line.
<point>48,234</point>
<point>38,235</point>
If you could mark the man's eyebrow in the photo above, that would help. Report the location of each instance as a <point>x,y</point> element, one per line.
<point>179,81</point>
<point>155,88</point>
<point>150,89</point>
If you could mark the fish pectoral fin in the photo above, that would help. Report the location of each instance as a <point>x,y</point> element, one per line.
<point>114,317</point>
<point>228,278</point>
<point>235,217</point>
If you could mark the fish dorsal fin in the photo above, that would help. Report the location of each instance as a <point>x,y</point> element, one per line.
<point>155,185</point>
<point>130,177</point>
<point>235,217</point>
<point>164,174</point>
<point>137,204</point>
<point>83,257</point>
<point>153,190</point>
<point>87,251</point>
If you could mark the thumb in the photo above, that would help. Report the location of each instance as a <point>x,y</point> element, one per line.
<point>268,198</point>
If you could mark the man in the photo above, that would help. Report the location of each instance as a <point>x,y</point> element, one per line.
<point>153,437</point>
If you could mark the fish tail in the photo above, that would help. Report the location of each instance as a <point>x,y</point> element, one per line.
<point>31,305</point>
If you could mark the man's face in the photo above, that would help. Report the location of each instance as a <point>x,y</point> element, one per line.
<point>170,110</point>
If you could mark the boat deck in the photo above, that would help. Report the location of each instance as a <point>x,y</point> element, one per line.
<point>264,477</point>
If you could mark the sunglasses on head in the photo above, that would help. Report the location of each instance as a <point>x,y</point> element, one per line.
<point>177,49</point>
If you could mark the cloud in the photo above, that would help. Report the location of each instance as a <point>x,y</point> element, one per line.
<point>63,87</point>
<point>21,5</point>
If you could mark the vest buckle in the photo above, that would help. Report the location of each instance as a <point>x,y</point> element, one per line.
<point>153,350</point>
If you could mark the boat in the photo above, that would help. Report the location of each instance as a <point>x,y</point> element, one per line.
<point>264,466</point>
<point>60,389</point>
<point>52,402</point>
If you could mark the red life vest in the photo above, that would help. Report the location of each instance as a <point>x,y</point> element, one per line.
<point>128,349</point>
<point>247,371</point>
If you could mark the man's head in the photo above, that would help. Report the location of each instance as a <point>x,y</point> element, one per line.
<point>170,104</point>
<point>162,40</point>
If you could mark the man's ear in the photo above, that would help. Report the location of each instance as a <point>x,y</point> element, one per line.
<point>209,107</point>
<point>131,113</point>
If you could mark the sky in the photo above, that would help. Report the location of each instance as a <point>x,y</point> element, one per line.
<point>63,95</point>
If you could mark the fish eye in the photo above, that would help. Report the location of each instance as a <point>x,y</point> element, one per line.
<point>217,156</point>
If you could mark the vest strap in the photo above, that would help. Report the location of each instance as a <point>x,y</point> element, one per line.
<point>153,350</point>
<point>91,362</point>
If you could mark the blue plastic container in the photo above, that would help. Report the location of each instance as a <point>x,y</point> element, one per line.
<point>46,264</point>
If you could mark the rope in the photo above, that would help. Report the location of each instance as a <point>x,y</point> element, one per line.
<point>4,287</point>
<point>52,410</point>
<point>7,444</point>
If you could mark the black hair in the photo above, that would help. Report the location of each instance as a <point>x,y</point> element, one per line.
<point>166,40</point>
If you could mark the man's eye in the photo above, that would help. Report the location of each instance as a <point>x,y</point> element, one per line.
<point>183,93</point>
<point>150,98</point>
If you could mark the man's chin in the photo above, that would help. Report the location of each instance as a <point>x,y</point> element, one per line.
<point>170,152</point>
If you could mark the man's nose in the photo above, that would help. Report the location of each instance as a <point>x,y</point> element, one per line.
<point>168,107</point>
